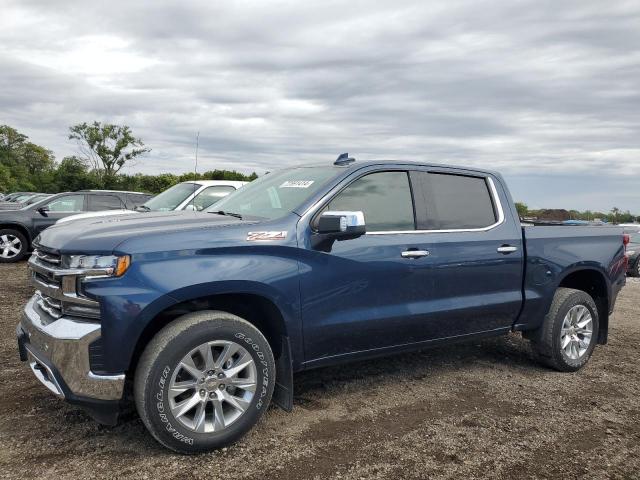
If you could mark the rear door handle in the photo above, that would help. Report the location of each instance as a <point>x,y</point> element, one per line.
<point>507,249</point>
<point>415,253</point>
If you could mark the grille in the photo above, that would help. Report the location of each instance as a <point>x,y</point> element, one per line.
<point>49,305</point>
<point>57,288</point>
<point>52,259</point>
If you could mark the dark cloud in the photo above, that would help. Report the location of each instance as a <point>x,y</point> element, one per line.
<point>516,86</point>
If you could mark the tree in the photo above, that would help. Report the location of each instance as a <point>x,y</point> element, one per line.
<point>107,147</point>
<point>27,166</point>
<point>615,211</point>
<point>522,209</point>
<point>36,159</point>
<point>72,174</point>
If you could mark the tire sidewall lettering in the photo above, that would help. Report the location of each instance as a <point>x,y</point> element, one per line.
<point>160,397</point>
<point>265,367</point>
<point>160,407</point>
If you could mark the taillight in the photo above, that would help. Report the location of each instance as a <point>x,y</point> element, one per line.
<point>625,242</point>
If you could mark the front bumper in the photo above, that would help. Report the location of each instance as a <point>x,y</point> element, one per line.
<point>58,354</point>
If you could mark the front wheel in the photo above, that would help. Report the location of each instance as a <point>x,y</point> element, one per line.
<point>204,381</point>
<point>13,246</point>
<point>569,333</point>
<point>635,270</point>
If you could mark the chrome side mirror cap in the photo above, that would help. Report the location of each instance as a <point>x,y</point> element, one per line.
<point>342,223</point>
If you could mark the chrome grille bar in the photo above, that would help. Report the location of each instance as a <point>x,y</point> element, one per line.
<point>57,288</point>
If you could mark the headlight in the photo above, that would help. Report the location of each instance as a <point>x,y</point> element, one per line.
<point>99,265</point>
<point>630,252</point>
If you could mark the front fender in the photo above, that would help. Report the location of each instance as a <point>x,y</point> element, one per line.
<point>151,285</point>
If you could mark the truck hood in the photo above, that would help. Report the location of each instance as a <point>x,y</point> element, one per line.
<point>104,234</point>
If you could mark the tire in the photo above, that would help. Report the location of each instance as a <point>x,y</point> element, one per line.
<point>548,343</point>
<point>220,420</point>
<point>13,245</point>
<point>635,270</point>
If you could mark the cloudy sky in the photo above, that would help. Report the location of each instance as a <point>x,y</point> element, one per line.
<point>546,92</point>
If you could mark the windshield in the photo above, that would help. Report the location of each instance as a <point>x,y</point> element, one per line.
<point>36,203</point>
<point>22,198</point>
<point>171,198</point>
<point>35,198</point>
<point>276,194</point>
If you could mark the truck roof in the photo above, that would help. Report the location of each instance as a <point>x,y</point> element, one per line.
<point>367,163</point>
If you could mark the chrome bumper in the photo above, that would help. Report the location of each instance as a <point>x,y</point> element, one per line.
<point>58,353</point>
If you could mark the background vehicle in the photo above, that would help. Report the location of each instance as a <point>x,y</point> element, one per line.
<point>12,200</point>
<point>194,196</point>
<point>19,227</point>
<point>209,315</point>
<point>633,250</point>
<point>23,201</point>
<point>11,197</point>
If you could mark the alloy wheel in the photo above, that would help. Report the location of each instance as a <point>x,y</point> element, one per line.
<point>10,246</point>
<point>212,386</point>
<point>577,332</point>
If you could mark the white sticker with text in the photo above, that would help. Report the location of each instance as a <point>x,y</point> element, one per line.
<point>297,184</point>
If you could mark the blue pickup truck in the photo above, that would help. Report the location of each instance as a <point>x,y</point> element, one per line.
<point>202,318</point>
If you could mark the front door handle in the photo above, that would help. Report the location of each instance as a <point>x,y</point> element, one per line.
<point>415,253</point>
<point>507,249</point>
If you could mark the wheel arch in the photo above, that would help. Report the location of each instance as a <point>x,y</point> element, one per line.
<point>19,227</point>
<point>593,282</point>
<point>259,310</point>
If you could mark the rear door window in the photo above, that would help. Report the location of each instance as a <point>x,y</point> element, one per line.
<point>452,202</point>
<point>104,202</point>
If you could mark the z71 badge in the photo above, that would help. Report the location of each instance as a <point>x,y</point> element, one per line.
<point>262,236</point>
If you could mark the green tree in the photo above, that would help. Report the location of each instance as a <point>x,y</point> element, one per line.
<point>522,208</point>
<point>73,174</point>
<point>29,165</point>
<point>7,182</point>
<point>614,214</point>
<point>107,147</point>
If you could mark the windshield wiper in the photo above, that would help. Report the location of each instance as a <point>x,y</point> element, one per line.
<point>229,214</point>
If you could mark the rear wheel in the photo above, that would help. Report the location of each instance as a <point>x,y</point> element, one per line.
<point>569,333</point>
<point>204,381</point>
<point>13,246</point>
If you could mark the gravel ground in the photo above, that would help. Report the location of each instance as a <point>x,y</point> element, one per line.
<point>476,410</point>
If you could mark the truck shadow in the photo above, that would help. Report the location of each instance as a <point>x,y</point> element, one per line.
<point>510,352</point>
<point>315,389</point>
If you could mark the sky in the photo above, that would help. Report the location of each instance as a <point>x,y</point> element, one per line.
<point>545,92</point>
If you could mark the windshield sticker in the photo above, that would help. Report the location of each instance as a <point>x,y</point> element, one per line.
<point>297,184</point>
<point>262,236</point>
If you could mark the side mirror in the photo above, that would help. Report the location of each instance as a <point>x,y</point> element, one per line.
<point>190,208</point>
<point>337,226</point>
<point>342,224</point>
<point>43,210</point>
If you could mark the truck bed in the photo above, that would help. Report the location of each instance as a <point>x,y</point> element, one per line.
<point>553,253</point>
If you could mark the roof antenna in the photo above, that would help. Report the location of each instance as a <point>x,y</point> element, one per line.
<point>344,159</point>
<point>195,173</point>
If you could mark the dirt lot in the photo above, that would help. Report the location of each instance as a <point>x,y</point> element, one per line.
<point>479,410</point>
